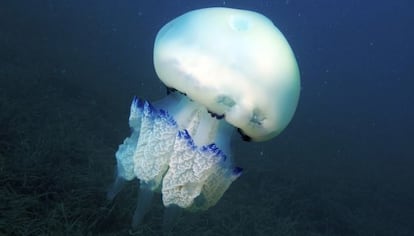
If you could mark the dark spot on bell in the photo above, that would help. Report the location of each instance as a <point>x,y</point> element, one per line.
<point>244,136</point>
<point>215,115</point>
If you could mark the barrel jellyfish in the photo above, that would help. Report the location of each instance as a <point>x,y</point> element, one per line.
<point>225,70</point>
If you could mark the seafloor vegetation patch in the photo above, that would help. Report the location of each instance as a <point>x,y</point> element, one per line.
<point>57,144</point>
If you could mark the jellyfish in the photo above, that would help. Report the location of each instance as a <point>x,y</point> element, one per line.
<point>226,70</point>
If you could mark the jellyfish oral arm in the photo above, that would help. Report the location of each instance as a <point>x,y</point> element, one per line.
<point>200,166</point>
<point>182,152</point>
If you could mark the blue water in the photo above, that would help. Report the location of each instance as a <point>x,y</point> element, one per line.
<point>342,167</point>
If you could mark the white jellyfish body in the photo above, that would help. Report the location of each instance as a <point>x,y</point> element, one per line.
<point>229,69</point>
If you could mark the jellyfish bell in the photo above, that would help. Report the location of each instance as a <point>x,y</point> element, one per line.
<point>234,62</point>
<point>228,69</point>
